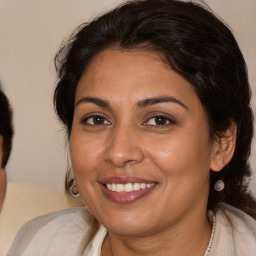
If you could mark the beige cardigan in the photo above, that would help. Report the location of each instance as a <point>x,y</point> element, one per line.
<point>67,233</point>
<point>24,202</point>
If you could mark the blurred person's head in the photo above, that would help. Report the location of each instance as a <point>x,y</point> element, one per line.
<point>6,133</point>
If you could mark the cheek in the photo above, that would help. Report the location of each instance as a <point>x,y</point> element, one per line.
<point>181,153</point>
<point>85,154</point>
<point>3,184</point>
<point>169,150</point>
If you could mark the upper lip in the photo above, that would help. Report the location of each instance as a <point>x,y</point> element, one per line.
<point>125,180</point>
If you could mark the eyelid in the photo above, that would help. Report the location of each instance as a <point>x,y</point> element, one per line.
<point>84,119</point>
<point>169,118</point>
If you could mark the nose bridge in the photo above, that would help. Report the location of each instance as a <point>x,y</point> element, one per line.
<point>124,147</point>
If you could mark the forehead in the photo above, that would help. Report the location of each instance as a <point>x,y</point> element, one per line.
<point>132,72</point>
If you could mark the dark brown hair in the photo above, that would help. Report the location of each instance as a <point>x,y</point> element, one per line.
<point>6,129</point>
<point>196,45</point>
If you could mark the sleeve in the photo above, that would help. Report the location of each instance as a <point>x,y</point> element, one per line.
<point>60,233</point>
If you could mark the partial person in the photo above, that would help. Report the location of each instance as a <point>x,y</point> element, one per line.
<point>21,201</point>
<point>156,102</point>
<point>6,134</point>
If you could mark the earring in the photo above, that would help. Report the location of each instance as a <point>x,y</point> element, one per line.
<point>73,191</point>
<point>219,185</point>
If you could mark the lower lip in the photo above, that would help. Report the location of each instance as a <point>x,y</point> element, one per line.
<point>126,197</point>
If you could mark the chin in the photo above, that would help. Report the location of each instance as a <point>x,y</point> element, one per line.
<point>128,225</point>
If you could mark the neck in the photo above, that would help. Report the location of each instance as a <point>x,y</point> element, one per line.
<point>186,238</point>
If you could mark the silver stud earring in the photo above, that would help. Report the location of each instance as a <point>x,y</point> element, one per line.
<point>219,185</point>
<point>73,191</point>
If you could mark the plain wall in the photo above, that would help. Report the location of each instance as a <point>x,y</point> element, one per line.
<point>31,32</point>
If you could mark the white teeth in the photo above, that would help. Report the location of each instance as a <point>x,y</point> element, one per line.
<point>143,186</point>
<point>129,187</point>
<point>113,187</point>
<point>136,186</point>
<point>119,188</point>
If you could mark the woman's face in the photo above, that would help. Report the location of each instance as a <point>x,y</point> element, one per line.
<point>2,175</point>
<point>139,144</point>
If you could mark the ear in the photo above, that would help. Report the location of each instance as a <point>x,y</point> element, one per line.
<point>223,148</point>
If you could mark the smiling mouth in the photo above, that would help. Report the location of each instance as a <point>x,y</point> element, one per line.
<point>126,190</point>
<point>128,187</point>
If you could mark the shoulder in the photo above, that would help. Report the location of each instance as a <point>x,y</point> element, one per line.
<point>235,232</point>
<point>239,221</point>
<point>51,233</point>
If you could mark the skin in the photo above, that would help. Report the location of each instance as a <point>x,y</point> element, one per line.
<point>176,154</point>
<point>3,181</point>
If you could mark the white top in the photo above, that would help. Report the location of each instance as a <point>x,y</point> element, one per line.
<point>24,202</point>
<point>67,233</point>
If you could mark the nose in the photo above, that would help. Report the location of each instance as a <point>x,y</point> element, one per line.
<point>124,148</point>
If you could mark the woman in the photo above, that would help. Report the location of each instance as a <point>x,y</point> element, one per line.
<point>156,102</point>
<point>6,133</point>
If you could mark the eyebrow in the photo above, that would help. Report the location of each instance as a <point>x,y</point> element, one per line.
<point>141,104</point>
<point>97,101</point>
<point>158,100</point>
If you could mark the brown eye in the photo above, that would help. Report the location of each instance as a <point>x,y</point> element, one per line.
<point>159,121</point>
<point>96,120</point>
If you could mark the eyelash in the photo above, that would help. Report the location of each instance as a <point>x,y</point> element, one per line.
<point>164,118</point>
<point>93,119</point>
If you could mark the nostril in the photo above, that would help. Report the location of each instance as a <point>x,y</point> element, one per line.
<point>121,157</point>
